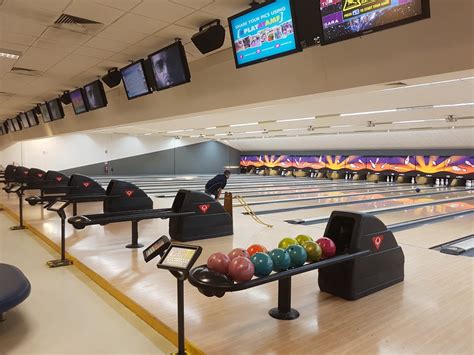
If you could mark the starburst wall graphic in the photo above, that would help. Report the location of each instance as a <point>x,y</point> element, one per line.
<point>432,164</point>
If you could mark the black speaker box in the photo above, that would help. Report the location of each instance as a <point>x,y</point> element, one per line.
<point>112,78</point>
<point>210,37</point>
<point>65,98</point>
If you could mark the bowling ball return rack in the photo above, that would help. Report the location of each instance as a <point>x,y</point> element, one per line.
<point>368,259</point>
<point>193,215</point>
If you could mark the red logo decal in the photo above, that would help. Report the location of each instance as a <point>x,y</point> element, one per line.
<point>40,175</point>
<point>377,241</point>
<point>204,208</point>
<point>25,172</point>
<point>86,184</point>
<point>129,193</point>
<point>59,178</point>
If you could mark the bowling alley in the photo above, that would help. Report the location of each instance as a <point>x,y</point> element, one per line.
<point>236,176</point>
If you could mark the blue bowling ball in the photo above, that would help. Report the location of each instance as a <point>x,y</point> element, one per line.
<point>263,264</point>
<point>281,259</point>
<point>297,254</point>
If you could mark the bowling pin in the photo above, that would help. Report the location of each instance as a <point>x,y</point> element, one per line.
<point>388,178</point>
<point>437,182</point>
<point>441,182</point>
<point>447,182</point>
<point>468,183</point>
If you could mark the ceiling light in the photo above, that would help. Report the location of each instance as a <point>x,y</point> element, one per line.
<point>412,121</point>
<point>292,129</point>
<point>251,132</point>
<point>454,105</point>
<point>176,131</point>
<point>210,128</point>
<point>297,119</point>
<point>366,113</point>
<point>221,134</point>
<point>428,84</point>
<point>148,134</point>
<point>342,126</point>
<point>244,124</point>
<point>8,53</point>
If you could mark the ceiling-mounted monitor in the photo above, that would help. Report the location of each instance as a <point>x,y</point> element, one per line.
<point>345,19</point>
<point>135,81</point>
<point>11,127</point>
<point>45,112</point>
<point>32,118</point>
<point>95,95</point>
<point>78,101</point>
<point>56,109</point>
<point>263,32</point>
<point>3,129</point>
<point>170,66</point>
<point>23,120</point>
<point>16,124</point>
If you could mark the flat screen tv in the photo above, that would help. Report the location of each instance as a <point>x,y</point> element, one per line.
<point>78,101</point>
<point>16,123</point>
<point>170,66</point>
<point>32,118</point>
<point>264,32</point>
<point>3,129</point>
<point>95,95</point>
<point>135,81</point>
<point>345,19</point>
<point>23,120</point>
<point>56,109</point>
<point>45,112</point>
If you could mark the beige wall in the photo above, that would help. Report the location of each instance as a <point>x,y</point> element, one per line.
<point>439,45</point>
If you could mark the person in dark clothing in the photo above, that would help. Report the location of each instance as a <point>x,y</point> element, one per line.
<point>217,184</point>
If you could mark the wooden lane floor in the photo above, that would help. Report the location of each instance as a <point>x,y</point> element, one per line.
<point>363,204</point>
<point>400,319</point>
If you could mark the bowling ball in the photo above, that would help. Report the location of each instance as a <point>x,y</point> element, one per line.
<point>313,251</point>
<point>263,264</point>
<point>327,246</point>
<point>238,252</point>
<point>241,269</point>
<point>218,262</point>
<point>281,259</point>
<point>301,239</point>
<point>211,278</point>
<point>417,190</point>
<point>286,242</point>
<point>297,255</point>
<point>256,248</point>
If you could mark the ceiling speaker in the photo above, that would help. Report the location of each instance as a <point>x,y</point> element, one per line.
<point>65,98</point>
<point>210,37</point>
<point>112,78</point>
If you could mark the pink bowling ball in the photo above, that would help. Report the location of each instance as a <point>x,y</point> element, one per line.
<point>218,262</point>
<point>238,252</point>
<point>327,246</point>
<point>241,269</point>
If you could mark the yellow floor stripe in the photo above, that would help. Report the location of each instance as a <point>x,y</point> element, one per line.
<point>141,312</point>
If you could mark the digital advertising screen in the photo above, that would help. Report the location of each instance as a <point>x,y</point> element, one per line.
<point>11,127</point>
<point>134,80</point>
<point>95,95</point>
<point>344,19</point>
<point>170,66</point>
<point>78,103</point>
<point>264,32</point>
<point>55,109</point>
<point>16,124</point>
<point>45,112</point>
<point>3,130</point>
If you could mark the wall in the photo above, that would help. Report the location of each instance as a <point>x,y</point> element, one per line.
<point>200,158</point>
<point>442,44</point>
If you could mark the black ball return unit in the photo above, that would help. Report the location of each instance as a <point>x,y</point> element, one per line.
<point>193,215</point>
<point>367,260</point>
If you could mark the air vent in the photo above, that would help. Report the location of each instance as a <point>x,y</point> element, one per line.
<point>6,94</point>
<point>26,71</point>
<point>73,20</point>
<point>399,83</point>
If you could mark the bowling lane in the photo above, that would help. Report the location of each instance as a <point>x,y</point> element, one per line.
<point>434,234</point>
<point>364,205</point>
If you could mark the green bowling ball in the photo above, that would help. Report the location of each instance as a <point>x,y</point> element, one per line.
<point>263,264</point>
<point>286,242</point>
<point>301,239</point>
<point>281,259</point>
<point>298,255</point>
<point>313,251</point>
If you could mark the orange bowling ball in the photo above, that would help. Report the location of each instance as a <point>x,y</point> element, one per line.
<point>256,248</point>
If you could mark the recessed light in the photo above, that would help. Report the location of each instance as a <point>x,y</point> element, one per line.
<point>244,124</point>
<point>297,119</point>
<point>366,113</point>
<point>10,54</point>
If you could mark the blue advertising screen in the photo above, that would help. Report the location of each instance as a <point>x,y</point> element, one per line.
<point>263,33</point>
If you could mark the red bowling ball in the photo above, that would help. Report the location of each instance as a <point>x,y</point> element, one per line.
<point>238,252</point>
<point>241,269</point>
<point>218,262</point>
<point>327,246</point>
<point>256,248</point>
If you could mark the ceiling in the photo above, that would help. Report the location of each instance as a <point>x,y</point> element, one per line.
<point>423,104</point>
<point>58,57</point>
